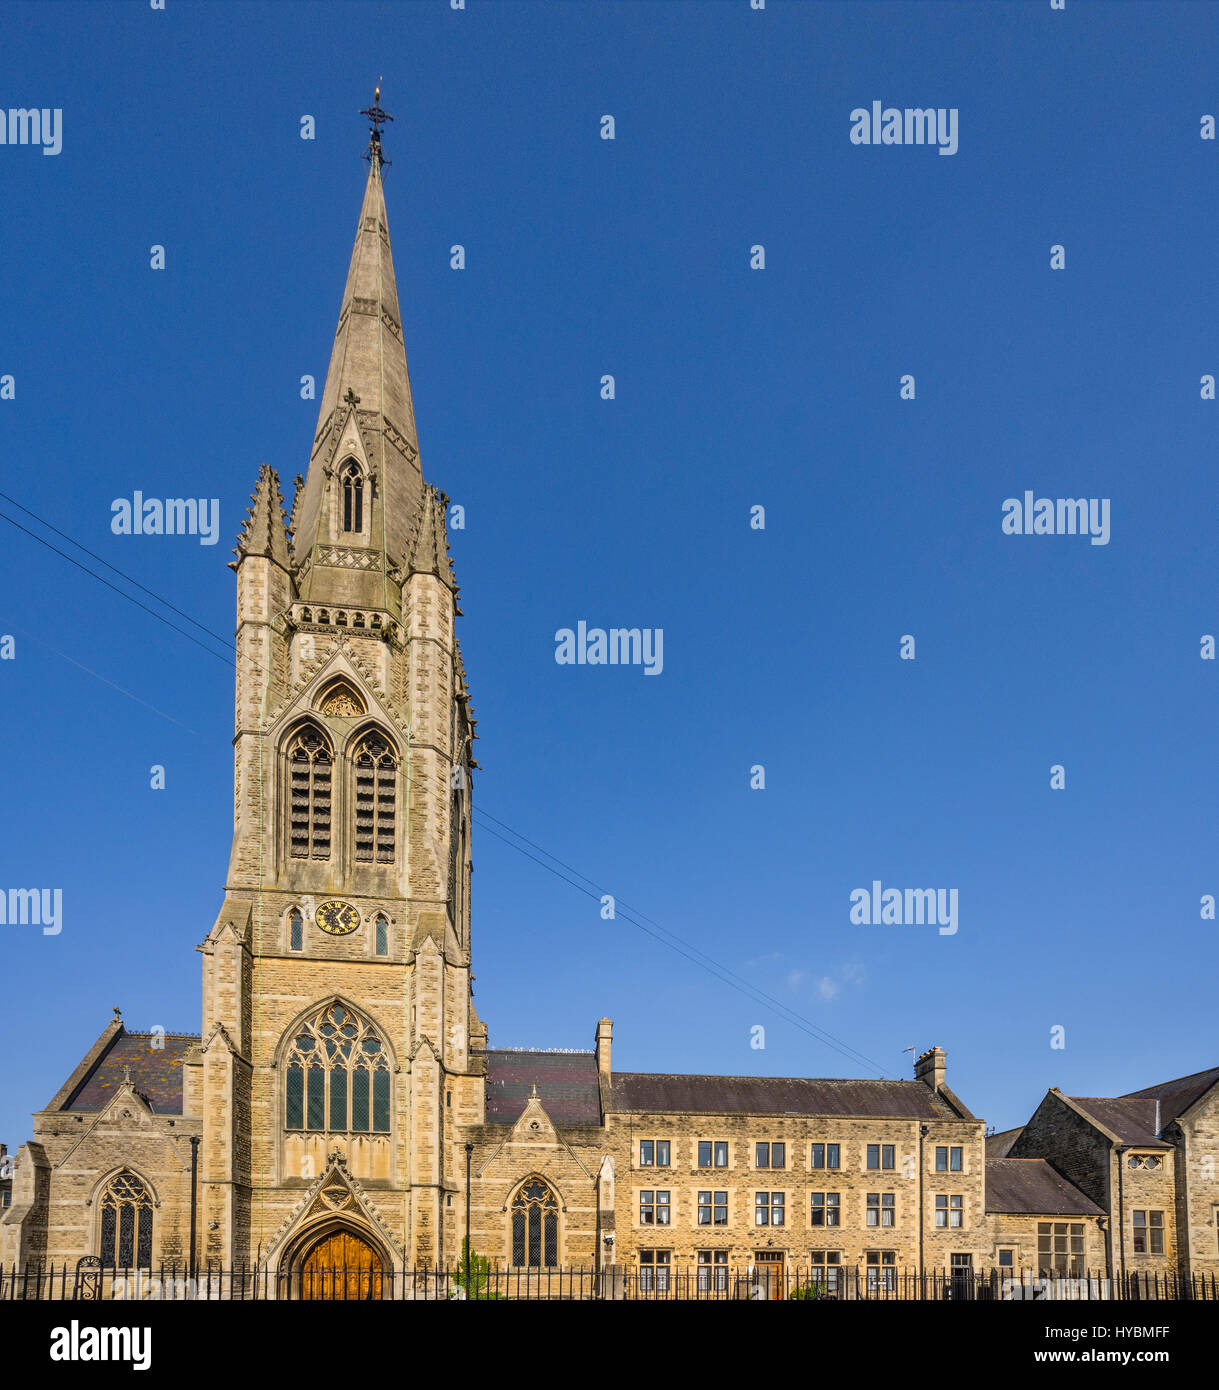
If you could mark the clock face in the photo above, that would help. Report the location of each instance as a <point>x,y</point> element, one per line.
<point>337,918</point>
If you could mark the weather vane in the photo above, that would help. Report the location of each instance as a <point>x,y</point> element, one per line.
<point>376,119</point>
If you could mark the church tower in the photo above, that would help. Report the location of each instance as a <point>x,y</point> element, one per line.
<point>340,1051</point>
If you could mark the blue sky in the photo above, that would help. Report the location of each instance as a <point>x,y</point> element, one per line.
<point>1078,908</point>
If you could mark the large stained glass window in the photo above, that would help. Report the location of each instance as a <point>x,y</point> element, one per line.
<point>337,1075</point>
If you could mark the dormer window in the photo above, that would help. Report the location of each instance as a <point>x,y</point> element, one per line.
<point>353,497</point>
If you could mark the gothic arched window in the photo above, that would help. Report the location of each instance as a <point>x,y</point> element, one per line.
<point>296,930</point>
<point>535,1226</point>
<point>310,763</point>
<point>337,1075</point>
<point>353,496</point>
<point>126,1210</point>
<point>382,937</point>
<point>376,771</point>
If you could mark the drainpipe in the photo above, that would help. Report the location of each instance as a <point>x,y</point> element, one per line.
<point>922,1220</point>
<point>469,1245</point>
<point>194,1200</point>
<point>1121,1212</point>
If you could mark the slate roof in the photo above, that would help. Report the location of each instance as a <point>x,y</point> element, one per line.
<point>567,1085</point>
<point>1177,1096</point>
<point>774,1095</point>
<point>1132,1120</point>
<point>1030,1186</point>
<point>156,1073</point>
<point>1000,1145</point>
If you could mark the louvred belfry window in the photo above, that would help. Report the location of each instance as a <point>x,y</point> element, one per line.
<point>535,1226</point>
<point>337,1076</point>
<point>310,767</point>
<point>376,800</point>
<point>126,1210</point>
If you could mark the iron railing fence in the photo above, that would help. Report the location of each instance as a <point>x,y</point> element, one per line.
<point>87,1281</point>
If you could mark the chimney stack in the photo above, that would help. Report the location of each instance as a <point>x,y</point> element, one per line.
<point>605,1035</point>
<point>932,1067</point>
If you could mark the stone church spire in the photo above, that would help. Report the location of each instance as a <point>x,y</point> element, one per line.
<point>366,413</point>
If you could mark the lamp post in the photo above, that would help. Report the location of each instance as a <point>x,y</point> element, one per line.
<point>469,1156</point>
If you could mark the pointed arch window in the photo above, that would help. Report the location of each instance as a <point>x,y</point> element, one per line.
<point>382,937</point>
<point>353,497</point>
<point>376,777</point>
<point>296,930</point>
<point>126,1221</point>
<point>535,1226</point>
<point>310,765</point>
<point>337,1076</point>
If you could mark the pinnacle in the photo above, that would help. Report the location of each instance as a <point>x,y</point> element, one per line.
<point>431,552</point>
<point>263,532</point>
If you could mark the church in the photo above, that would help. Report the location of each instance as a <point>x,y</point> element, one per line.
<point>342,1108</point>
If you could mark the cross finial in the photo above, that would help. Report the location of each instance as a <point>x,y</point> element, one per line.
<point>376,119</point>
<point>533,1095</point>
<point>126,1075</point>
<point>351,398</point>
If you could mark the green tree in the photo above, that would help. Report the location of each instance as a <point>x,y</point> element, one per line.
<point>474,1274</point>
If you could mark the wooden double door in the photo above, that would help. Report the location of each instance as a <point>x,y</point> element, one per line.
<point>342,1265</point>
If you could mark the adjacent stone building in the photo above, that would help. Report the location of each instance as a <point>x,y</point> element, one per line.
<point>1040,1222</point>
<point>341,1091</point>
<point>1146,1160</point>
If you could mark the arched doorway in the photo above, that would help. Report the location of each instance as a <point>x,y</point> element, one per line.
<point>341,1265</point>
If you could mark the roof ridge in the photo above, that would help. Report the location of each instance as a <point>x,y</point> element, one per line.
<point>152,1033</point>
<point>734,1076</point>
<point>1148,1099</point>
<point>1164,1085</point>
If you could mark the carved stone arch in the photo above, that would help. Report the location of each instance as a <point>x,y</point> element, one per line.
<point>351,1279</point>
<point>303,724</point>
<point>373,726</point>
<point>283,1046</point>
<point>107,1177</point>
<point>340,698</point>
